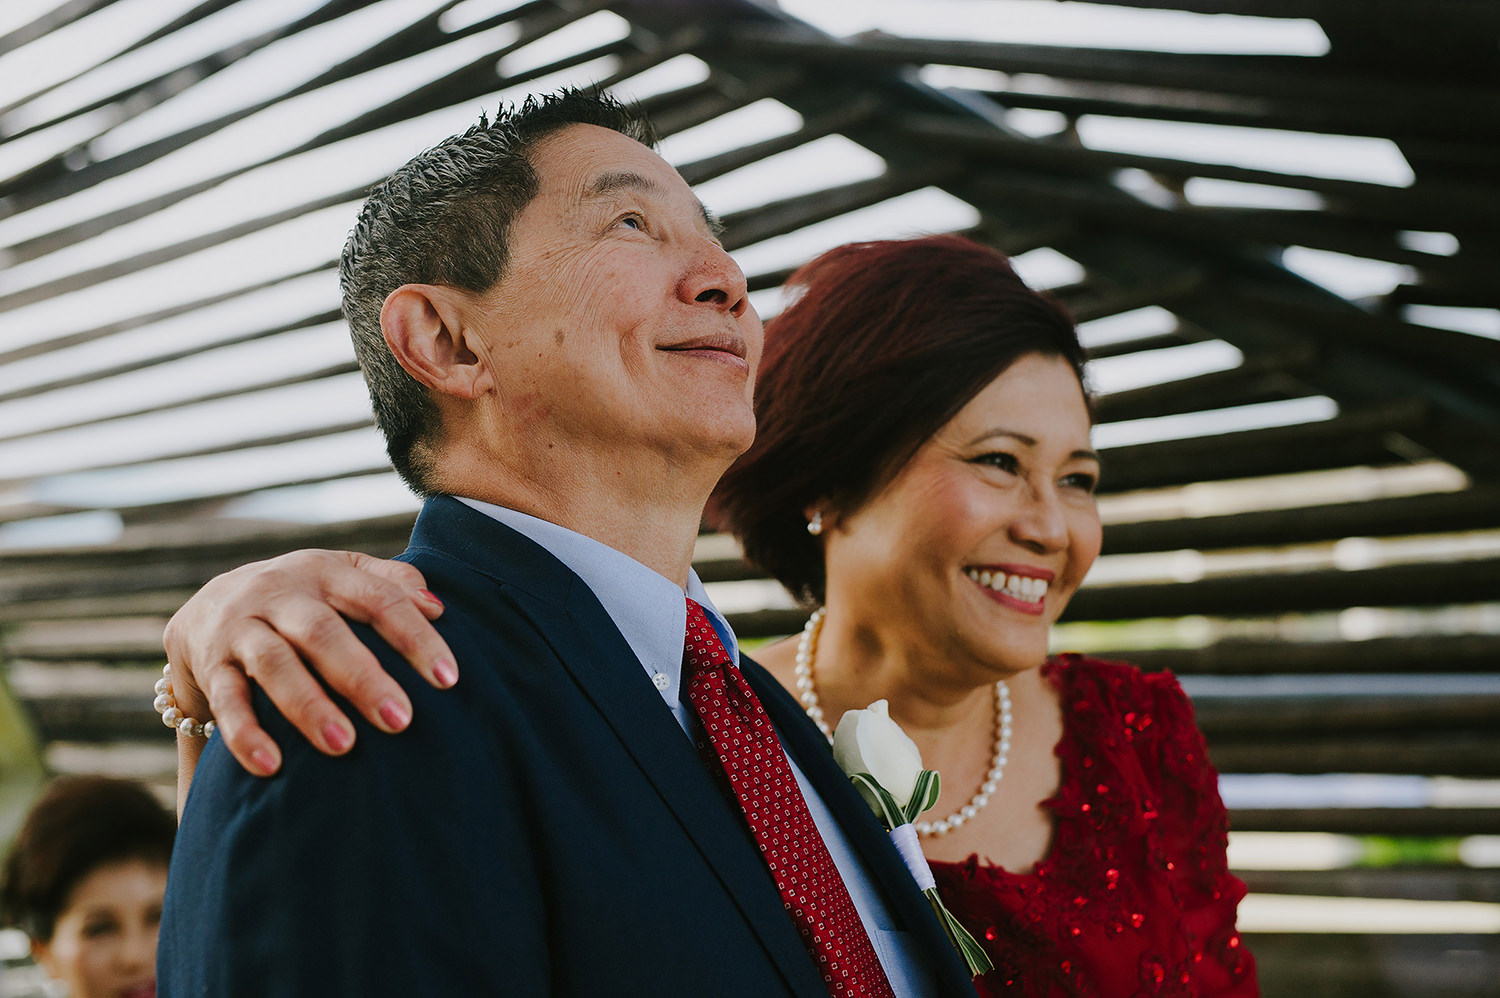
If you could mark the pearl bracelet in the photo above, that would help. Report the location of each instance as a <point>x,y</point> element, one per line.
<point>171,715</point>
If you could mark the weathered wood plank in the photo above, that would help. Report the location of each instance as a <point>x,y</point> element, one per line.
<point>1453,753</point>
<point>1359,437</point>
<point>1349,965</point>
<point>1422,584</point>
<point>1439,512</point>
<point>1417,883</point>
<point>1447,653</point>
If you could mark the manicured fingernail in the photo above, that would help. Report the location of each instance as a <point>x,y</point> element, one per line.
<point>427,595</point>
<point>393,714</point>
<point>444,672</point>
<point>265,761</point>
<point>337,736</point>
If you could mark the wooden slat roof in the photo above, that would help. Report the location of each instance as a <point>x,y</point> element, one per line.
<point>1286,261</point>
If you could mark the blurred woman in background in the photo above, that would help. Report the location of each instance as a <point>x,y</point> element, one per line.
<point>85,881</point>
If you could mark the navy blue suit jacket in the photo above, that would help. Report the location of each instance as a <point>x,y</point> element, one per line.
<point>542,829</point>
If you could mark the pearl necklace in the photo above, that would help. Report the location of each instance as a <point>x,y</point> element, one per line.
<point>807,648</point>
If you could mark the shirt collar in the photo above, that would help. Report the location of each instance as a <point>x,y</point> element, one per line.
<point>647,607</point>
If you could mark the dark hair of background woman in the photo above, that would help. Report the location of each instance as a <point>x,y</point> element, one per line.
<point>80,824</point>
<point>886,343</point>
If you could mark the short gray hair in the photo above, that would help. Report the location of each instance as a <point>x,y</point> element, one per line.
<point>445,218</point>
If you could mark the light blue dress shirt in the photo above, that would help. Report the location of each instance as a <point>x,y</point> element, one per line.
<point>651,614</point>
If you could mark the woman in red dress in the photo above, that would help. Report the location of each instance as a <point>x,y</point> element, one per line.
<point>922,473</point>
<point>924,412</point>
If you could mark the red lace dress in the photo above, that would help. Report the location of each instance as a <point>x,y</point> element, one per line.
<point>1134,897</point>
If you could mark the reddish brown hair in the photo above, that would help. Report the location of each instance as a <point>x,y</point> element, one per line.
<point>80,824</point>
<point>884,343</point>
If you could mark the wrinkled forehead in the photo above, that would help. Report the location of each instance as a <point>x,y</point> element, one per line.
<point>585,165</point>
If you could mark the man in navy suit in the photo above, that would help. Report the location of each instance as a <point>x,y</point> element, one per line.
<point>561,357</point>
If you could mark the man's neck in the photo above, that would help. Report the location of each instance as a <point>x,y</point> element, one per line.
<point>650,515</point>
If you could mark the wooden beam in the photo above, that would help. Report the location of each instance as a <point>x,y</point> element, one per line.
<point>1261,379</point>
<point>1419,883</point>
<point>1420,584</point>
<point>148,408</point>
<point>1446,353</point>
<point>63,13</point>
<point>248,443</point>
<point>1308,78</point>
<point>1437,512</point>
<point>753,225</point>
<point>1248,716</point>
<point>1474,753</point>
<point>1401,821</point>
<point>1161,341</point>
<point>1350,439</point>
<point>1370,965</point>
<point>1415,207</point>
<point>849,116</point>
<point>108,329</point>
<point>1477,11</point>
<point>1414,654</point>
<point>63,379</point>
<point>1438,126</point>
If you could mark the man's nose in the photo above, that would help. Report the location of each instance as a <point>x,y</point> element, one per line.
<point>714,278</point>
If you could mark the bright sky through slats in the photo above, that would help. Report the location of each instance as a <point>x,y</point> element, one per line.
<point>220,424</point>
<point>72,49</point>
<point>224,29</point>
<point>332,456</point>
<point>223,370</point>
<point>818,165</point>
<point>1082,25</point>
<point>1346,157</point>
<point>352,163</point>
<point>287,301</point>
<point>1198,424</point>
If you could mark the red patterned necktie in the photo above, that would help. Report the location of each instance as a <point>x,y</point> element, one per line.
<point>737,731</point>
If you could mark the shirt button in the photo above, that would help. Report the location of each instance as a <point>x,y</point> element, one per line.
<point>661,680</point>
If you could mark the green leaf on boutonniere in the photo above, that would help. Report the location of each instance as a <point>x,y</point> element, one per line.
<point>893,815</point>
<point>924,794</point>
<point>975,957</point>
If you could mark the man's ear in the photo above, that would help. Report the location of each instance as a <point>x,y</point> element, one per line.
<point>426,327</point>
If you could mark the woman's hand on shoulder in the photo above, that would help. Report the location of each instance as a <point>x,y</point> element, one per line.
<point>271,621</point>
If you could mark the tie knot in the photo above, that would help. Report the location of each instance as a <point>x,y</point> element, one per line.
<point>701,647</point>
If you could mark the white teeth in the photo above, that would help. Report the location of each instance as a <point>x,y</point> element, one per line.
<point>1022,587</point>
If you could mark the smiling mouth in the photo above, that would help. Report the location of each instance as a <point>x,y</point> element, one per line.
<point>1022,588</point>
<point>725,343</point>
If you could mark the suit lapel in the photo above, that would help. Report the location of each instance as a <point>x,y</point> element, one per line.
<point>808,746</point>
<point>590,647</point>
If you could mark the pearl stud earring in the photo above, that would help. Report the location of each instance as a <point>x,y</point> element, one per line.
<point>815,525</point>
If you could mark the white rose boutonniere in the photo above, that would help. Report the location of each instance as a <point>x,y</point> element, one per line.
<point>886,767</point>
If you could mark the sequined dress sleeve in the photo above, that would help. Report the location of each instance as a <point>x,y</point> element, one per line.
<point>1134,897</point>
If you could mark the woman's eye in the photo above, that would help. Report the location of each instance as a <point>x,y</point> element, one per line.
<point>93,930</point>
<point>1082,481</point>
<point>1000,459</point>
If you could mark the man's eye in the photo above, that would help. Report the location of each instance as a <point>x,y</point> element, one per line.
<point>633,221</point>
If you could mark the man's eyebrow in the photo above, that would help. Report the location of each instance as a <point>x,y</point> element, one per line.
<point>1029,441</point>
<point>715,226</point>
<point>627,180</point>
<point>620,180</point>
